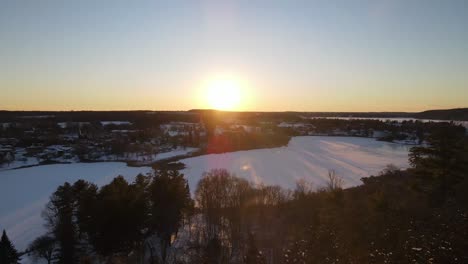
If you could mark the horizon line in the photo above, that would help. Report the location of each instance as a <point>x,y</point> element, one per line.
<point>234,111</point>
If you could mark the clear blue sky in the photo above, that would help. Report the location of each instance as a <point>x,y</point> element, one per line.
<point>375,55</point>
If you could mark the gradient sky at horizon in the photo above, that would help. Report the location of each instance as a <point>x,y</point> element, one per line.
<point>363,55</point>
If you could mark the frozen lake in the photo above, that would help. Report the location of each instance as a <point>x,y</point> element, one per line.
<point>24,192</point>
<point>309,158</point>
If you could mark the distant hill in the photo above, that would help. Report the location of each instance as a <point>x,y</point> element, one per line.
<point>460,114</point>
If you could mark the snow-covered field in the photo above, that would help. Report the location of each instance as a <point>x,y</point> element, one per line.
<point>25,192</point>
<point>308,158</point>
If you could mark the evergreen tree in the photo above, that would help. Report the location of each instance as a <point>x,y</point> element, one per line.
<point>60,221</point>
<point>8,253</point>
<point>66,214</point>
<point>170,200</point>
<point>443,162</point>
<point>118,218</point>
<point>85,201</point>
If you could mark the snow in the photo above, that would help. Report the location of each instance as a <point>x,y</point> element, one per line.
<point>219,131</point>
<point>25,192</point>
<point>407,141</point>
<point>58,148</point>
<point>5,125</point>
<point>308,158</point>
<point>248,129</point>
<point>123,131</point>
<point>175,153</point>
<point>64,125</point>
<point>177,133</point>
<point>178,128</point>
<point>149,158</point>
<point>116,123</point>
<point>20,160</point>
<point>285,124</point>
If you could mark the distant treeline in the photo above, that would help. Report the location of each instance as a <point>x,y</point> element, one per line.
<point>460,114</point>
<point>136,117</point>
<point>449,114</point>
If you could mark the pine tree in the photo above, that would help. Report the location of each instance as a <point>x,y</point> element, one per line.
<point>443,162</point>
<point>8,253</point>
<point>170,201</point>
<point>118,217</point>
<point>59,217</point>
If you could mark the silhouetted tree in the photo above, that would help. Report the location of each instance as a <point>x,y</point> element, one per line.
<point>170,199</point>
<point>118,218</point>
<point>8,253</point>
<point>65,216</point>
<point>85,200</point>
<point>222,197</point>
<point>60,221</point>
<point>443,162</point>
<point>43,247</point>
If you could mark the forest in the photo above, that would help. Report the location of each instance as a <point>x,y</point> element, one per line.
<point>418,215</point>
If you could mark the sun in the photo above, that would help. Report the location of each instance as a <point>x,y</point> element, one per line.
<point>223,94</point>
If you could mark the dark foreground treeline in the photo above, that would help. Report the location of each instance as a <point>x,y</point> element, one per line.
<point>415,216</point>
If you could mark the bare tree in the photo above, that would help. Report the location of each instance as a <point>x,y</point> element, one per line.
<point>43,247</point>
<point>222,197</point>
<point>303,188</point>
<point>334,183</point>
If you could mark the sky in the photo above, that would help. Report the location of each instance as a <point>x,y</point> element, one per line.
<point>375,55</point>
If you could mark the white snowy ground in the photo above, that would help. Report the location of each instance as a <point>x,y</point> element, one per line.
<point>309,158</point>
<point>25,192</point>
<point>150,158</point>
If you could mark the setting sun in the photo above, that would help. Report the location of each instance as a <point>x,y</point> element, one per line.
<point>223,94</point>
